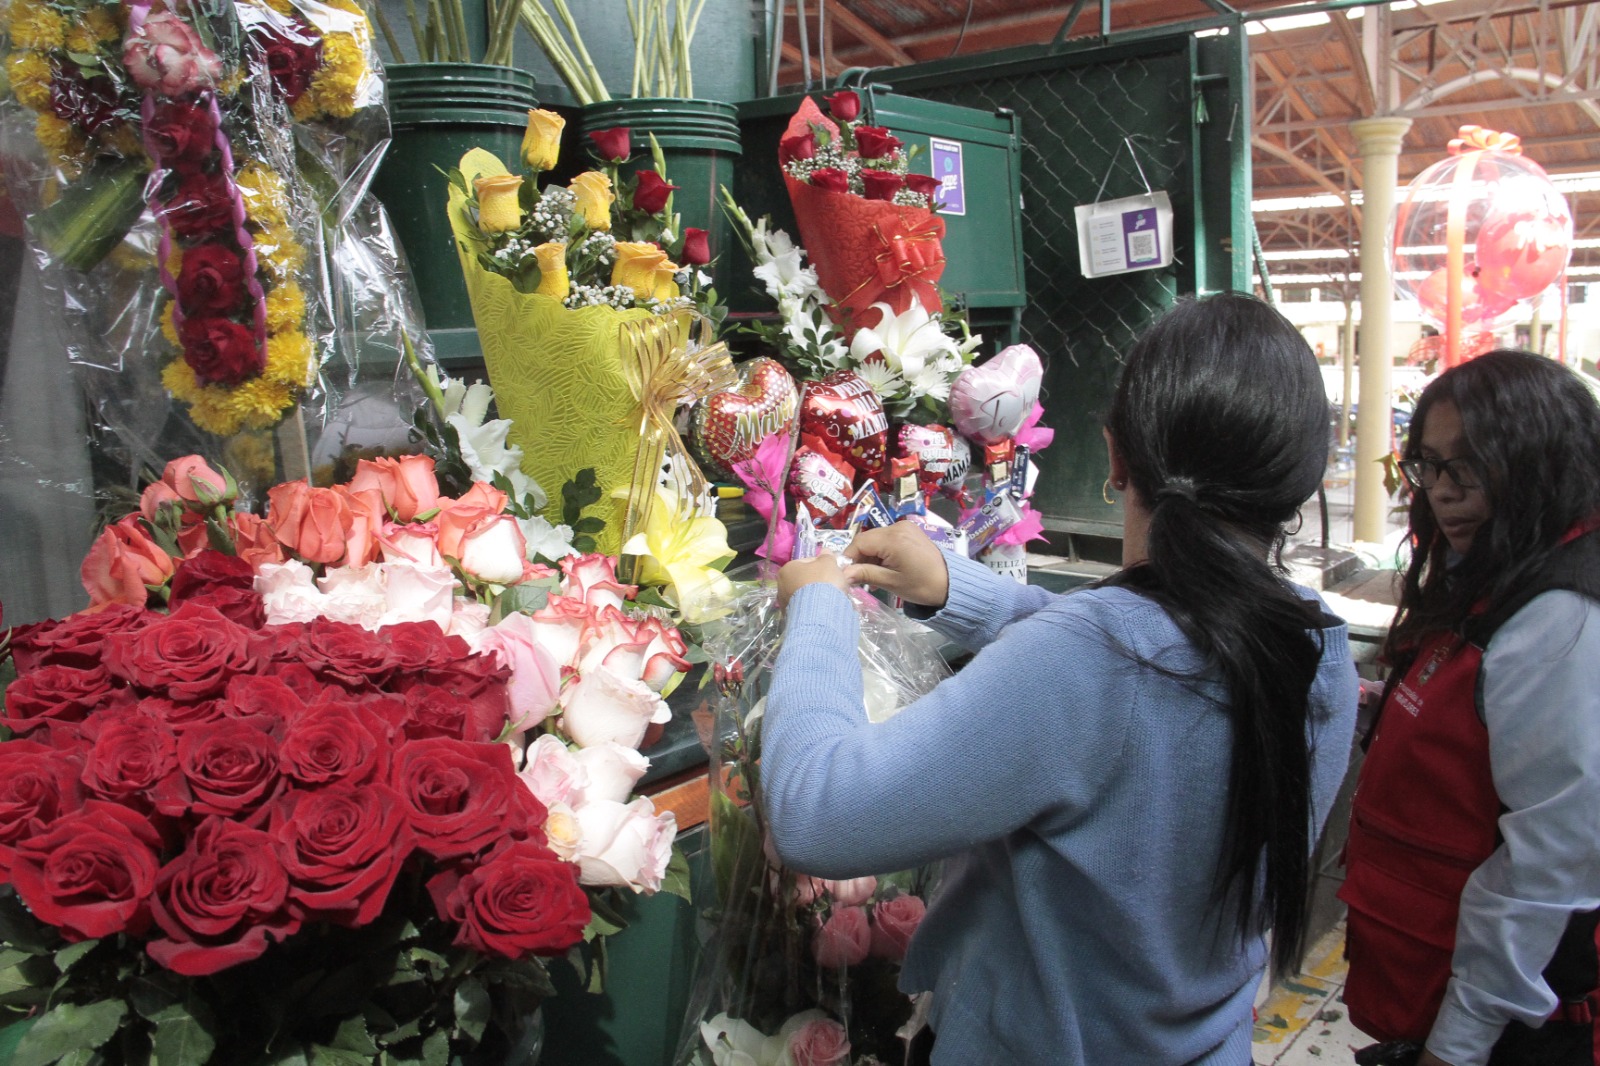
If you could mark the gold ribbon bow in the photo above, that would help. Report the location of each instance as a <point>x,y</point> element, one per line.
<point>1482,139</point>
<point>668,366</point>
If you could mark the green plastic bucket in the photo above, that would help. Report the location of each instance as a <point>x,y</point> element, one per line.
<point>699,141</point>
<point>438,112</point>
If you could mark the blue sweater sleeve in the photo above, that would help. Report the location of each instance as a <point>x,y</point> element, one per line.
<point>958,767</point>
<point>981,603</point>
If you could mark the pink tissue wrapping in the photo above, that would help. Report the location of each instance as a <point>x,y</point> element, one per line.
<point>764,475</point>
<point>1032,435</point>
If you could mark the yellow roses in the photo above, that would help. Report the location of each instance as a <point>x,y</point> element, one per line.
<point>498,209</point>
<point>593,190</point>
<point>553,279</point>
<point>646,270</point>
<point>541,144</point>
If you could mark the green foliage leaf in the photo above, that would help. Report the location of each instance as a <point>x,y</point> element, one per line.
<point>69,955</point>
<point>472,1008</point>
<point>68,1028</point>
<point>182,1038</point>
<point>589,524</point>
<point>582,491</point>
<point>436,1049</point>
<point>676,880</point>
<point>20,929</point>
<point>736,859</point>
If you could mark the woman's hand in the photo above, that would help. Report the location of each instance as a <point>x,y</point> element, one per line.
<point>902,560</point>
<point>796,575</point>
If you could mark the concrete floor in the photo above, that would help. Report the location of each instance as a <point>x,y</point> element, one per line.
<point>1302,1022</point>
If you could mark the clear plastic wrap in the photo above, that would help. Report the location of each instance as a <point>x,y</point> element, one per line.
<point>195,181</point>
<point>800,968</point>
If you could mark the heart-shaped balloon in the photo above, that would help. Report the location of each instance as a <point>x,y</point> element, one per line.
<point>934,447</point>
<point>960,465</point>
<point>728,426</point>
<point>820,481</point>
<point>844,413</point>
<point>990,402</point>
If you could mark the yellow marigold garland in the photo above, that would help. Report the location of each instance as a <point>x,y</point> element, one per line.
<point>30,75</point>
<point>37,27</point>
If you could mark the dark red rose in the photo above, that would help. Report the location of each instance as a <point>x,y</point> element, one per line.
<point>38,784</point>
<point>291,64</point>
<point>90,103</point>
<point>432,711</point>
<point>187,656</point>
<point>76,640</point>
<point>55,694</point>
<point>523,901</point>
<point>881,184</point>
<point>925,185</point>
<point>208,568</point>
<point>844,105</point>
<point>183,133</point>
<point>462,797</point>
<point>651,194</point>
<point>180,716</point>
<point>211,280</point>
<point>221,902</point>
<point>414,646</point>
<point>346,654</point>
<point>797,146</point>
<point>130,756</point>
<point>220,351</point>
<point>227,767</point>
<point>613,145</point>
<point>831,178</point>
<point>696,247</point>
<point>342,848</point>
<point>201,206</point>
<point>477,691</point>
<point>92,873</point>
<point>335,741</point>
<point>875,142</point>
<point>261,696</point>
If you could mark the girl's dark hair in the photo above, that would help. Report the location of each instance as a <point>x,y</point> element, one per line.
<point>1532,432</point>
<point>1221,419</point>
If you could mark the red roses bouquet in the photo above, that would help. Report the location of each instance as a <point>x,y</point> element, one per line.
<point>867,224</point>
<point>800,971</point>
<point>250,818</point>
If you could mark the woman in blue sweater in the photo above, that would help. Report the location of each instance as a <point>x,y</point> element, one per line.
<point>1127,781</point>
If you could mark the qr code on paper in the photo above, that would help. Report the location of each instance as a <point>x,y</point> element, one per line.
<point>1142,247</point>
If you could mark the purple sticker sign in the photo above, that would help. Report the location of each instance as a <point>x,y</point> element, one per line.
<point>946,158</point>
<point>1142,239</point>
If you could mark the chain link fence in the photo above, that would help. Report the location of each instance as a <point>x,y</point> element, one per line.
<point>1091,123</point>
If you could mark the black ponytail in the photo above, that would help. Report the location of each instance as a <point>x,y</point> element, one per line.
<point>1221,420</point>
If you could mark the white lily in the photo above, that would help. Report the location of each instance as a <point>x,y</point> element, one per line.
<point>545,540</point>
<point>483,443</point>
<point>908,341</point>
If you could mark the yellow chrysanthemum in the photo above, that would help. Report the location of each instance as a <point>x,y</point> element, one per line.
<point>282,7</point>
<point>277,249</point>
<point>174,263</point>
<point>30,79</point>
<point>94,28</point>
<point>58,138</point>
<point>305,108</point>
<point>289,359</point>
<point>37,27</point>
<point>258,402</point>
<point>286,307</point>
<point>211,413</point>
<point>179,379</point>
<point>344,64</point>
<point>169,330</point>
<point>124,140</point>
<point>266,198</point>
<point>253,456</point>
<point>230,84</point>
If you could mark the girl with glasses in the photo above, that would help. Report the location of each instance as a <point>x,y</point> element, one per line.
<point>1473,865</point>
<point>1127,780</point>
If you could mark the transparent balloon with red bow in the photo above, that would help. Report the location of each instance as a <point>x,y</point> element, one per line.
<point>1503,215</point>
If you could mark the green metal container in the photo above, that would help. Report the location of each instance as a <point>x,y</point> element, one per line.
<point>699,142</point>
<point>438,112</point>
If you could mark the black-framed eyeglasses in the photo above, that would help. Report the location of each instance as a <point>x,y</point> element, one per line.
<point>1425,473</point>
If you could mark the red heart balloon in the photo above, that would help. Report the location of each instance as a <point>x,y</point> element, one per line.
<point>935,448</point>
<point>845,414</point>
<point>729,426</point>
<point>820,481</point>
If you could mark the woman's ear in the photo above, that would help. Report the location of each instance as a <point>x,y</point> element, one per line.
<point>1119,469</point>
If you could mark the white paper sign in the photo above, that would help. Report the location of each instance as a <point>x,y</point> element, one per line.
<point>1118,236</point>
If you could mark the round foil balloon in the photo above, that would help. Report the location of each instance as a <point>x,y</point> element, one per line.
<point>727,427</point>
<point>820,481</point>
<point>935,449</point>
<point>844,413</point>
<point>990,402</point>
<point>1513,227</point>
